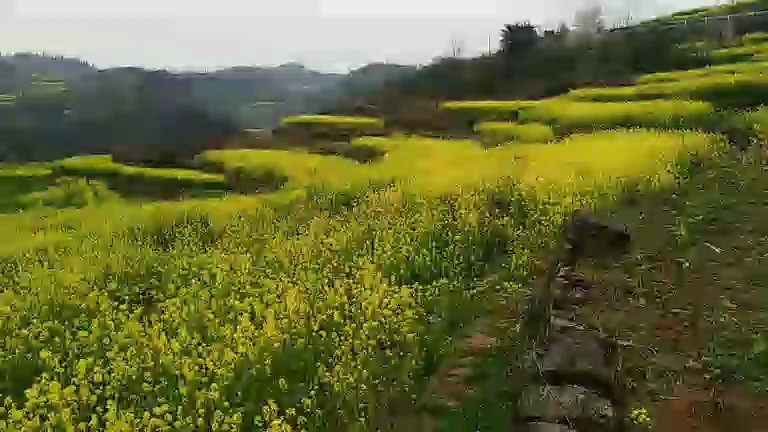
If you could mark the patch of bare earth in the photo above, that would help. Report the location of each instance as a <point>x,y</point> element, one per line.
<point>693,291</point>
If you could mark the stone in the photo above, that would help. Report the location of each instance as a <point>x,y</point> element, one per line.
<point>544,427</point>
<point>575,349</point>
<point>563,324</point>
<point>567,402</point>
<point>571,298</point>
<point>589,237</point>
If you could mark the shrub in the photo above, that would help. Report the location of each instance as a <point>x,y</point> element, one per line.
<point>487,110</point>
<point>359,151</point>
<point>331,127</point>
<point>500,132</point>
<point>246,180</point>
<point>69,192</point>
<point>131,177</point>
<point>571,116</point>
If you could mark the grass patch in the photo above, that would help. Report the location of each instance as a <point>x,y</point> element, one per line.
<point>500,132</point>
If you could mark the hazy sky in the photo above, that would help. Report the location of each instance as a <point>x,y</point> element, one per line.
<point>324,34</point>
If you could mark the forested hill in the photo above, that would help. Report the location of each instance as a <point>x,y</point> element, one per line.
<point>250,96</point>
<point>52,106</point>
<point>592,51</point>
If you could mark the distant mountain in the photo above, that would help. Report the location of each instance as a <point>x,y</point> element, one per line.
<point>251,96</point>
<point>258,97</point>
<point>374,75</point>
<point>63,68</point>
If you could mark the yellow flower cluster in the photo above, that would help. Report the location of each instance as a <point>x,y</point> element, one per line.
<point>298,311</point>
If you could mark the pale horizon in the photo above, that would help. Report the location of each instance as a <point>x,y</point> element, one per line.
<point>325,35</point>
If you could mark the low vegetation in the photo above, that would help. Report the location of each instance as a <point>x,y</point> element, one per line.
<point>663,114</point>
<point>130,178</point>
<point>487,110</point>
<point>719,70</point>
<point>739,53</point>
<point>332,127</point>
<point>699,13</point>
<point>500,132</point>
<point>755,38</point>
<point>68,192</point>
<point>742,90</point>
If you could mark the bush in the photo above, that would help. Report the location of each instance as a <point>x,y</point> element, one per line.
<point>487,110</point>
<point>330,127</point>
<point>359,151</point>
<point>571,116</point>
<point>69,192</point>
<point>130,177</point>
<point>501,132</point>
<point>743,90</point>
<point>248,180</point>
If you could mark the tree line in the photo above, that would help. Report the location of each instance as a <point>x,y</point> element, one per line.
<point>534,64</point>
<point>134,114</point>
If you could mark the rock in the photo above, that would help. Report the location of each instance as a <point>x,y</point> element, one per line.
<point>568,402</point>
<point>575,349</point>
<point>589,237</point>
<point>562,323</point>
<point>571,298</point>
<point>544,427</point>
